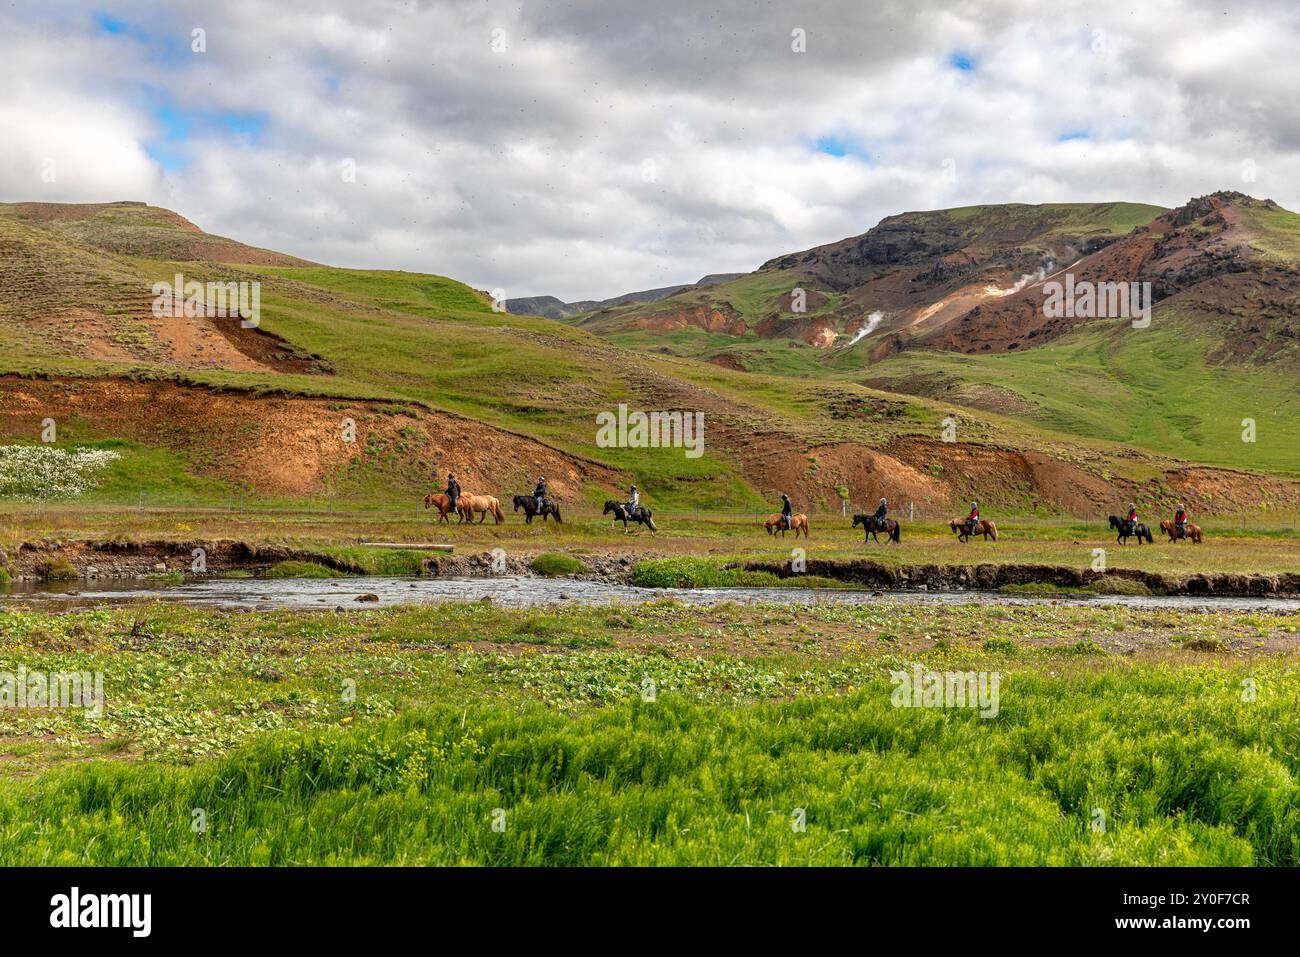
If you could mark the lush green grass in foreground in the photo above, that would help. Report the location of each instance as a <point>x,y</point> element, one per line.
<point>1179,768</point>
<point>654,733</point>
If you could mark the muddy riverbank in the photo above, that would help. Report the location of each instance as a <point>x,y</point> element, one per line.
<point>125,560</point>
<point>993,577</point>
<point>112,560</point>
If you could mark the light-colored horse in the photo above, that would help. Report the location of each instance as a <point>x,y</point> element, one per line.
<point>468,504</point>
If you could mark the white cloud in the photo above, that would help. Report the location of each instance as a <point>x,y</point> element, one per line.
<point>525,169</point>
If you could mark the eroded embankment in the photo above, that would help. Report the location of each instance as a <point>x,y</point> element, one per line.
<point>132,559</point>
<point>991,577</point>
<point>117,559</point>
<point>114,559</point>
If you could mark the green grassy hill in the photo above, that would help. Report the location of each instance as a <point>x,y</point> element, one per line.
<point>437,380</point>
<point>1222,348</point>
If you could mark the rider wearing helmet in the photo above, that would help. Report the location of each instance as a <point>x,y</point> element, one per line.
<point>633,500</point>
<point>539,493</point>
<point>452,491</point>
<point>973,518</point>
<point>787,510</point>
<point>1180,520</point>
<point>1132,518</point>
<point>881,511</point>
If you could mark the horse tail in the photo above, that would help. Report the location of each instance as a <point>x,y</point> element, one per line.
<point>557,514</point>
<point>496,511</point>
<point>897,536</point>
<point>993,531</point>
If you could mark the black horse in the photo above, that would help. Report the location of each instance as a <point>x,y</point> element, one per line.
<point>890,527</point>
<point>529,505</point>
<point>1124,529</point>
<point>641,515</point>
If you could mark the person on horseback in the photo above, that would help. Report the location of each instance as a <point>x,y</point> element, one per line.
<point>539,493</point>
<point>881,511</point>
<point>1132,518</point>
<point>452,491</point>
<point>633,502</point>
<point>787,510</point>
<point>973,519</point>
<point>1180,520</point>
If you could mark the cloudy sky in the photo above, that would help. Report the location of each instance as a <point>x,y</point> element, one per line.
<point>587,149</point>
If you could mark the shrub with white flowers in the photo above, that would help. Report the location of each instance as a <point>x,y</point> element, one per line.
<point>32,471</point>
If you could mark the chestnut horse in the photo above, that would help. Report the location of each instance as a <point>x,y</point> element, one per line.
<point>1170,529</point>
<point>467,505</point>
<point>982,527</point>
<point>797,522</point>
<point>443,504</point>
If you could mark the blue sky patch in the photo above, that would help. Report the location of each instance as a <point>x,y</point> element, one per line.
<point>961,60</point>
<point>178,127</point>
<point>112,26</point>
<point>833,145</point>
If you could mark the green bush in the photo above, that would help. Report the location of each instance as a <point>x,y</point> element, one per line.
<point>382,561</point>
<point>295,569</point>
<point>553,564</point>
<point>687,572</point>
<point>56,570</point>
<point>1114,585</point>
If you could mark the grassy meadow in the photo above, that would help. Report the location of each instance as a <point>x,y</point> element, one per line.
<point>653,734</point>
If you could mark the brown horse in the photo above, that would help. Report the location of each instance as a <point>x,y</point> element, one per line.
<point>1170,529</point>
<point>797,522</point>
<point>443,504</point>
<point>982,527</point>
<point>467,505</point>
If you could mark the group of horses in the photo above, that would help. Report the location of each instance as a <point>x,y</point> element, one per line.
<point>467,506</point>
<point>872,529</point>
<point>1124,530</point>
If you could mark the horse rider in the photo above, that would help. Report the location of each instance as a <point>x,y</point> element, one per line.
<point>973,519</point>
<point>787,510</point>
<point>539,493</point>
<point>1180,520</point>
<point>452,491</point>
<point>633,501</point>
<point>1132,518</point>
<point>881,511</point>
